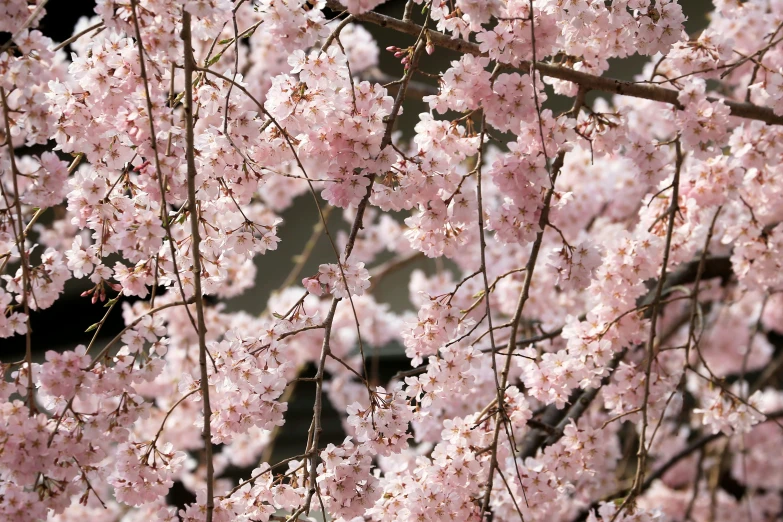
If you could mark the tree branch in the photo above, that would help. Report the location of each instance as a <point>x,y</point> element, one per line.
<point>190,66</point>
<point>588,81</point>
<point>666,466</point>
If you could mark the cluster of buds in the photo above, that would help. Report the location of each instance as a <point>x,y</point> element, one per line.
<point>406,54</point>
<point>98,292</point>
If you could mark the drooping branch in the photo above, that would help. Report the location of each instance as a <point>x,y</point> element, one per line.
<point>190,66</point>
<point>656,307</point>
<point>524,295</point>
<point>315,428</point>
<point>166,222</point>
<point>20,237</point>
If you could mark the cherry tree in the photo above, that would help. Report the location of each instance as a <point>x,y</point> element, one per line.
<point>601,345</point>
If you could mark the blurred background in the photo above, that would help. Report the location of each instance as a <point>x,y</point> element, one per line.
<point>63,326</point>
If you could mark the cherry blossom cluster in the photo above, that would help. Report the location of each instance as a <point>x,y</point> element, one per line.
<point>730,414</point>
<point>382,425</point>
<point>144,472</point>
<point>248,380</point>
<point>592,325</point>
<point>346,479</point>
<point>340,280</point>
<point>436,324</point>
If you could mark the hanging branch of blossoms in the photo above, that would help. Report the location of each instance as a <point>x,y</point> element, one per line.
<point>154,145</point>
<point>18,221</point>
<point>543,223</point>
<point>641,453</point>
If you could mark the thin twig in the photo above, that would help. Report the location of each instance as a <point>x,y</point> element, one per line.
<point>642,451</point>
<point>118,337</point>
<point>78,35</point>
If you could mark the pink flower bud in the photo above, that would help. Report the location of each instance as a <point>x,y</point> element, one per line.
<point>312,285</point>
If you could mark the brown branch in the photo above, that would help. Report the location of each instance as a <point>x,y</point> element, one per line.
<point>391,118</point>
<point>336,33</point>
<point>316,429</point>
<point>696,445</point>
<point>166,417</point>
<point>584,401</point>
<point>543,221</point>
<point>98,26</point>
<point>585,80</point>
<point>695,293</point>
<point>190,66</point>
<point>317,410</point>
<point>713,267</point>
<point>499,389</point>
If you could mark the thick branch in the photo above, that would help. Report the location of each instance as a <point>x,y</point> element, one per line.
<point>687,273</point>
<point>587,81</point>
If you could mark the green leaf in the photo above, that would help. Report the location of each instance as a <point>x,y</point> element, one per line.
<point>214,59</point>
<point>92,327</point>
